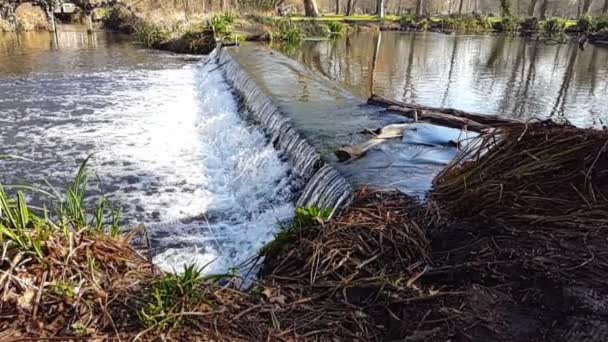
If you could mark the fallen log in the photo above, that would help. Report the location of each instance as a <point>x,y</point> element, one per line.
<point>441,119</point>
<point>486,119</point>
<point>345,153</point>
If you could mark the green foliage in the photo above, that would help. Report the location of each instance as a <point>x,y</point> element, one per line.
<point>508,24</point>
<point>151,35</point>
<point>585,23</point>
<point>170,295</point>
<point>408,20</point>
<point>288,32</point>
<point>309,216</point>
<point>464,23</point>
<point>336,28</point>
<point>30,231</point>
<point>20,226</point>
<point>64,289</point>
<point>424,24</point>
<point>222,24</point>
<point>304,218</point>
<point>554,26</point>
<point>600,24</point>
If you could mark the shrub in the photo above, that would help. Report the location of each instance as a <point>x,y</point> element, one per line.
<point>222,24</point>
<point>600,24</point>
<point>151,35</point>
<point>584,23</point>
<point>335,28</point>
<point>288,32</point>
<point>408,20</point>
<point>554,26</point>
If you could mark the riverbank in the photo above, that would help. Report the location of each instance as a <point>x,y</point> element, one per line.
<point>505,234</point>
<point>197,35</point>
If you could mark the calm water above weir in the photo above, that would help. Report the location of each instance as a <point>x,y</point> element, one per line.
<point>170,146</point>
<point>485,74</point>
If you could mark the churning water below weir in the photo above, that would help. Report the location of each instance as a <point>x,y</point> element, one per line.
<point>170,146</point>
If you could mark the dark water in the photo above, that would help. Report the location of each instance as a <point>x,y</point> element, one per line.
<point>487,74</point>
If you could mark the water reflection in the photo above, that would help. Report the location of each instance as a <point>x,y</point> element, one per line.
<point>505,75</point>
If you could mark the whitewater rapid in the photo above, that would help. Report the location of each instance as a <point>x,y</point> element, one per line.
<point>246,189</point>
<point>168,141</point>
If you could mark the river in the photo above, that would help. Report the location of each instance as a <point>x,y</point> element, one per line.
<point>170,147</point>
<point>502,75</point>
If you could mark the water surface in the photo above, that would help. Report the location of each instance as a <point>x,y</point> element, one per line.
<point>487,74</point>
<point>169,144</point>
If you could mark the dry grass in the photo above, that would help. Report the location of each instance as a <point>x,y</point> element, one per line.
<point>30,17</point>
<point>535,174</point>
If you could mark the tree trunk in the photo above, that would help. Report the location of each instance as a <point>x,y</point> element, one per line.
<point>374,63</point>
<point>419,4</point>
<point>310,8</point>
<point>223,5</point>
<point>460,6</point>
<point>532,8</point>
<point>605,8</point>
<point>337,6</point>
<point>586,6</point>
<point>349,7</point>
<point>380,8</point>
<point>543,9</point>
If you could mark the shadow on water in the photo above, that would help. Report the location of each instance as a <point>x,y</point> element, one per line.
<point>492,74</point>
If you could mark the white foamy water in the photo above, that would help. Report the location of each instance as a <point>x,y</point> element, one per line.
<point>169,146</point>
<point>246,189</point>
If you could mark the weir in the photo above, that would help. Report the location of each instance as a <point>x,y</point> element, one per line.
<point>308,117</point>
<point>324,186</point>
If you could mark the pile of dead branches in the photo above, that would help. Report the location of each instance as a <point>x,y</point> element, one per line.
<point>81,283</point>
<point>536,174</point>
<point>360,272</point>
<point>529,206</point>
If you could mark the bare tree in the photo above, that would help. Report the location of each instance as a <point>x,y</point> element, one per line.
<point>605,8</point>
<point>310,8</point>
<point>586,6</point>
<point>380,8</point>
<point>460,6</point>
<point>419,5</point>
<point>532,7</point>
<point>350,5</point>
<point>337,6</point>
<point>543,9</point>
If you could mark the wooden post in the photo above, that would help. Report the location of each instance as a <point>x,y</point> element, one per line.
<point>90,23</point>
<point>51,15</point>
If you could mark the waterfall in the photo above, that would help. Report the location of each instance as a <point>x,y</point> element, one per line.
<point>325,187</point>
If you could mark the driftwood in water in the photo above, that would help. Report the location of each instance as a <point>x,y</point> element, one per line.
<point>484,119</point>
<point>382,135</point>
<point>441,119</point>
<point>599,38</point>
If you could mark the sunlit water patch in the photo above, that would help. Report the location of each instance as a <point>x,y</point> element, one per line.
<point>169,144</point>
